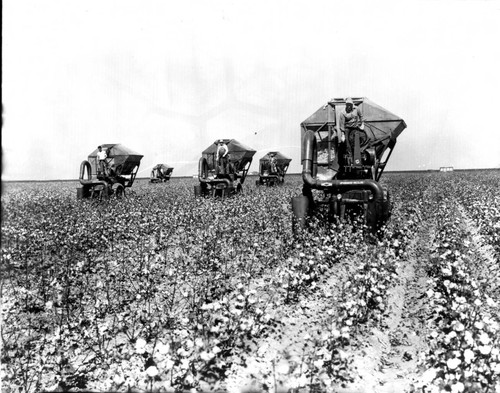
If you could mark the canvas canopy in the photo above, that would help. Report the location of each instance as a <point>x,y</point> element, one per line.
<point>381,126</point>
<point>281,159</point>
<point>118,155</point>
<point>237,150</point>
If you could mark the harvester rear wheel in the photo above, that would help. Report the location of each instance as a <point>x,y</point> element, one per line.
<point>119,191</point>
<point>387,199</point>
<point>377,215</point>
<point>203,168</point>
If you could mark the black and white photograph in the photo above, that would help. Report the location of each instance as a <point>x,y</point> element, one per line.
<point>250,196</point>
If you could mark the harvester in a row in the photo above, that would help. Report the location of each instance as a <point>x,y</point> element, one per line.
<point>272,169</point>
<point>223,168</point>
<point>342,176</point>
<point>110,176</point>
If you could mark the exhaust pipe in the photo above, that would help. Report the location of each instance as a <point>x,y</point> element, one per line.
<point>88,181</point>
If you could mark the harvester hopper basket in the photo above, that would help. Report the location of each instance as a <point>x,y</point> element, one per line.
<point>166,169</point>
<point>281,159</point>
<point>239,154</point>
<point>120,156</point>
<point>381,126</point>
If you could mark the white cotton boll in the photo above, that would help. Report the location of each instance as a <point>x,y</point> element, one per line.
<point>468,355</point>
<point>453,363</point>
<point>484,338</point>
<point>152,371</point>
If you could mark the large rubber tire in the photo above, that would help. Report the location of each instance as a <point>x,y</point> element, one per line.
<point>203,168</point>
<point>377,214</point>
<point>118,191</point>
<point>387,200</point>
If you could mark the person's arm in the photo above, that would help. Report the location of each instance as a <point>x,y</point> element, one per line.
<point>361,119</point>
<point>342,127</point>
<point>227,151</point>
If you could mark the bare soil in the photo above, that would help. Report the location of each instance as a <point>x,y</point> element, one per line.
<point>384,357</point>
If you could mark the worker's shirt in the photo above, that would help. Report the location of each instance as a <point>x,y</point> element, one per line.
<point>222,151</point>
<point>352,119</point>
<point>101,155</point>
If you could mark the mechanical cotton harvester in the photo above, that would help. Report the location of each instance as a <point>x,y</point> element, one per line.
<point>161,173</point>
<point>343,177</point>
<point>223,178</point>
<point>272,169</point>
<point>118,171</point>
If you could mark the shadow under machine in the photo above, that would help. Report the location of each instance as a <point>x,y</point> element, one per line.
<point>272,168</point>
<point>227,179</point>
<point>117,172</point>
<point>343,177</point>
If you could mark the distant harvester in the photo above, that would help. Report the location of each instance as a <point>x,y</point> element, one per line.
<point>161,173</point>
<point>228,178</point>
<point>272,168</point>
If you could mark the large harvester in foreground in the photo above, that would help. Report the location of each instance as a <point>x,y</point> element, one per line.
<point>272,169</point>
<point>223,177</point>
<point>343,176</point>
<point>111,176</point>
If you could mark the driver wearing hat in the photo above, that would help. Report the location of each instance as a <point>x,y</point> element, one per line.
<point>351,118</point>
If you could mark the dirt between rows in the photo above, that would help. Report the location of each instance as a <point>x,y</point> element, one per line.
<point>384,357</point>
<point>387,362</point>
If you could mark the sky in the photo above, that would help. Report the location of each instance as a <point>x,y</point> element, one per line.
<point>167,78</point>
